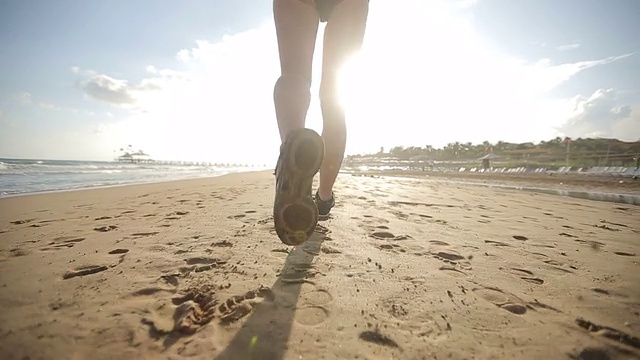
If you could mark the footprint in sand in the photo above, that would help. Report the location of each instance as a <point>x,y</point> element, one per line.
<point>524,274</point>
<point>548,246</point>
<point>605,227</point>
<point>532,280</point>
<point>369,220</point>
<point>20,222</point>
<point>106,228</point>
<point>622,253</point>
<point>392,247</point>
<point>144,234</point>
<point>175,215</point>
<point>567,235</point>
<point>239,306</point>
<point>247,219</point>
<point>452,258</point>
<point>199,264</point>
<point>555,266</point>
<point>61,243</point>
<point>386,235</point>
<point>223,243</point>
<point>17,252</point>
<point>517,271</point>
<point>326,249</point>
<point>595,245</point>
<point>198,305</point>
<point>438,242</point>
<point>312,309</point>
<point>448,255</point>
<point>400,215</point>
<point>397,307</point>
<point>451,270</point>
<point>553,262</point>
<point>415,218</point>
<point>613,223</point>
<point>84,270</point>
<point>118,251</point>
<point>496,243</point>
<point>502,299</point>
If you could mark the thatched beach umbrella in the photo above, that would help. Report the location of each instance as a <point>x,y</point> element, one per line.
<point>486,160</point>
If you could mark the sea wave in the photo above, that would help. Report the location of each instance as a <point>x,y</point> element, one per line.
<point>44,168</point>
<point>31,176</point>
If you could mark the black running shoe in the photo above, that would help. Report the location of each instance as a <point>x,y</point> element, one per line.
<point>324,206</point>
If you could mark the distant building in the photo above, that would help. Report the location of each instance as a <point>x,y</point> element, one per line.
<point>134,157</point>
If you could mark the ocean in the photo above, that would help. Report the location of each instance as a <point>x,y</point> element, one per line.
<point>21,176</point>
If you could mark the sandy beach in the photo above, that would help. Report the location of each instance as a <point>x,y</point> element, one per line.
<point>404,269</point>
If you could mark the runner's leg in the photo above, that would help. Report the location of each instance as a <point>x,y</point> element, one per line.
<point>343,36</point>
<point>296,29</point>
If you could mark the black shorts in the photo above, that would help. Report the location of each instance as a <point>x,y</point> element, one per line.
<point>325,7</point>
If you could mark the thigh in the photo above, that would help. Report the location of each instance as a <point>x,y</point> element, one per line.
<point>343,35</point>
<point>296,28</point>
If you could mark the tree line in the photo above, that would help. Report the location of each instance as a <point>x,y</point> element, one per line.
<point>578,152</point>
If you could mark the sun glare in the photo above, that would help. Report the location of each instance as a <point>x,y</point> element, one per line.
<point>352,88</point>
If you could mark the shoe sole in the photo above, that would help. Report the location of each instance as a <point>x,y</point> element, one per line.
<point>323,217</point>
<point>295,213</point>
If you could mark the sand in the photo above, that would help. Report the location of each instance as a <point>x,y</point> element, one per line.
<point>561,181</point>
<point>404,269</point>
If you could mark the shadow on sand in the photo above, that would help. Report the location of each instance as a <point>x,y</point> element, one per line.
<point>266,332</point>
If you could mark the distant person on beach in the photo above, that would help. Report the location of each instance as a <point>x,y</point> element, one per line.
<point>303,152</point>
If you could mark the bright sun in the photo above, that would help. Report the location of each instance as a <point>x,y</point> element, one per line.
<point>352,89</point>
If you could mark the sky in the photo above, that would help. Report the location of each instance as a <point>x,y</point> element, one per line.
<point>193,79</point>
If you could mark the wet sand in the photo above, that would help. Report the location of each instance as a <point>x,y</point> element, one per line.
<point>404,269</point>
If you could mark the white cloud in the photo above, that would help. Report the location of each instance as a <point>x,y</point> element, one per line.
<point>601,115</point>
<point>113,91</point>
<point>567,47</point>
<point>183,55</point>
<point>26,98</point>
<point>23,98</point>
<point>464,4</point>
<point>545,76</point>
